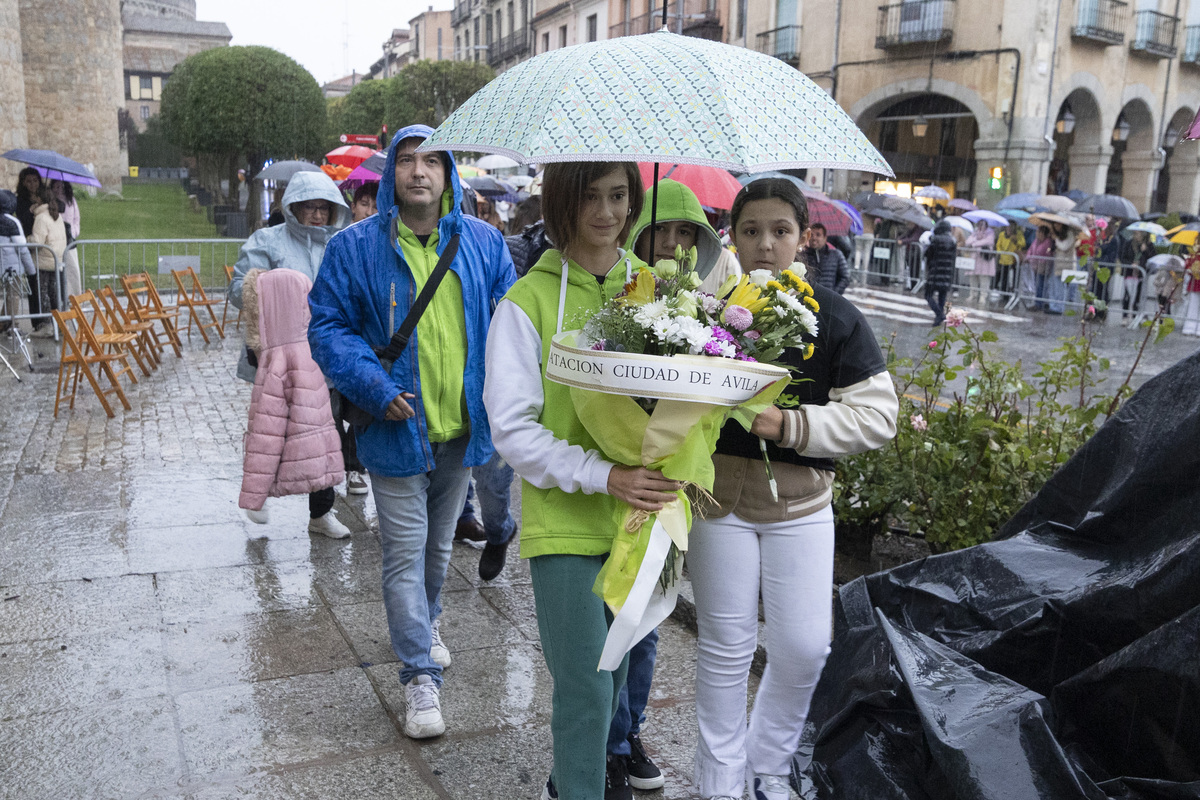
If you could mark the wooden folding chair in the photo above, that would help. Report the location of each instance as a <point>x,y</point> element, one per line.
<point>145,345</point>
<point>79,353</point>
<point>146,306</point>
<point>237,325</point>
<point>194,299</point>
<point>104,336</point>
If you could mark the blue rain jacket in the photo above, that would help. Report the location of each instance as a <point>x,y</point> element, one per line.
<point>352,313</point>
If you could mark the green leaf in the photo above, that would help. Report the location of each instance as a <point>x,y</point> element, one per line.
<point>1103,274</point>
<point>988,336</point>
<point>1164,329</point>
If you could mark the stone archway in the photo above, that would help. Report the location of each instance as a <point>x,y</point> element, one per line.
<point>1082,152</point>
<point>1179,180</point>
<point>1136,157</point>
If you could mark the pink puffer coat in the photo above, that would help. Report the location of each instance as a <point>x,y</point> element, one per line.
<point>291,445</point>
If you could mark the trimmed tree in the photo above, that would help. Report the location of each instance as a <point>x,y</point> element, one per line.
<point>235,107</point>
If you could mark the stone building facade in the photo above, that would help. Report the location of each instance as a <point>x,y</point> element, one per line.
<point>63,76</point>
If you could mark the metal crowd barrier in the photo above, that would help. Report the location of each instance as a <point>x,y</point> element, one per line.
<point>11,288</point>
<point>103,261</point>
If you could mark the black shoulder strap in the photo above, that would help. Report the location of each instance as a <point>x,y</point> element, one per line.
<point>404,332</point>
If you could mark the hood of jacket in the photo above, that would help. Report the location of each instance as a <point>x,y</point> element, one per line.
<point>276,303</point>
<point>8,202</point>
<point>678,202</point>
<point>941,227</point>
<point>314,186</point>
<point>385,200</point>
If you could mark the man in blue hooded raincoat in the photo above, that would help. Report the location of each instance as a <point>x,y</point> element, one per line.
<point>430,426</point>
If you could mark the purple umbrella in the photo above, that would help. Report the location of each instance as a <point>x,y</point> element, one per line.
<point>962,205</point>
<point>54,166</point>
<point>990,217</point>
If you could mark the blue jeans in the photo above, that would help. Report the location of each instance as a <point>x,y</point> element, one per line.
<point>1061,294</point>
<point>1042,282</point>
<point>493,481</point>
<point>417,516</point>
<point>631,704</point>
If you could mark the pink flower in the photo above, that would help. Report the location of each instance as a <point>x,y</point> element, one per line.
<point>933,344</point>
<point>1091,309</point>
<point>753,336</point>
<point>918,422</point>
<point>956,317</point>
<point>738,317</point>
<point>598,345</point>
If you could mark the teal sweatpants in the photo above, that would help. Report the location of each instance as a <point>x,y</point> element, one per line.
<point>573,623</point>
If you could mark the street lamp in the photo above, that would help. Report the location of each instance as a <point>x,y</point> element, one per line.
<point>1121,131</point>
<point>920,126</point>
<point>1066,121</point>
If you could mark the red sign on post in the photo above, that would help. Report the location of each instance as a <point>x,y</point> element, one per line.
<point>358,138</point>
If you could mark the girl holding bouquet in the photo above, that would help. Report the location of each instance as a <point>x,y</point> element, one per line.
<point>572,498</point>
<point>778,541</point>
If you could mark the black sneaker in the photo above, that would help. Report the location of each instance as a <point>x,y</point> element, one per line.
<point>491,561</point>
<point>616,780</point>
<point>644,775</point>
<point>548,791</point>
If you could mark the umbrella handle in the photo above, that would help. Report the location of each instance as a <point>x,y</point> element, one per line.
<point>653,201</point>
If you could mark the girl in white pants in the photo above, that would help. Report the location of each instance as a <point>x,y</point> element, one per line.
<point>780,546</point>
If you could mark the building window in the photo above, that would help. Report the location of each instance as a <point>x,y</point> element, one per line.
<point>458,46</point>
<point>512,17</point>
<point>489,29</point>
<point>524,13</point>
<point>562,36</point>
<point>145,110</point>
<point>546,42</point>
<point>146,84</point>
<point>499,30</point>
<point>591,28</point>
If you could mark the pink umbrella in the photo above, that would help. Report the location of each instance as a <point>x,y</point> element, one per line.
<point>1193,131</point>
<point>714,187</point>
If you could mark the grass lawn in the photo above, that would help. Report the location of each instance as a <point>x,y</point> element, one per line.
<point>148,211</point>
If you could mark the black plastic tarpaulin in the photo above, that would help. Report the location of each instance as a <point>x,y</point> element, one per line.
<point>1061,660</point>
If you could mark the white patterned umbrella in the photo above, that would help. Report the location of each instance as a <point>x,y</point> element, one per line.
<point>659,97</point>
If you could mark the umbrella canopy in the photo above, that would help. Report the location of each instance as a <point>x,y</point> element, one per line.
<point>1152,228</point>
<point>336,172</point>
<point>713,187</point>
<point>856,221</point>
<point>284,170</point>
<point>962,204</point>
<point>54,166</point>
<point>907,217</point>
<point>1077,195</point>
<point>868,202</point>
<point>659,97</point>
<point>488,186</point>
<point>1185,237</point>
<point>932,192</point>
<point>1054,203</point>
<point>1046,217</point>
<point>1025,201</point>
<point>1015,214</point>
<point>993,219</point>
<point>1107,205</point>
<point>1166,261</point>
<point>961,223</point>
<point>496,162</point>
<point>1193,131</point>
<point>520,181</point>
<point>350,155</point>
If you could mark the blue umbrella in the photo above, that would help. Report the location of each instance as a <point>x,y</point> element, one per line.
<point>54,166</point>
<point>1025,201</point>
<point>856,223</point>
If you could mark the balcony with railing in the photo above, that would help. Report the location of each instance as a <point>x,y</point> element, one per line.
<point>1154,34</point>
<point>1101,21</point>
<point>698,18</point>
<point>914,22</point>
<point>782,43</point>
<point>1191,45</point>
<point>460,13</point>
<point>512,46</point>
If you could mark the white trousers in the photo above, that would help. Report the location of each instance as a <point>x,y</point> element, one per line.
<point>1191,314</point>
<point>729,561</point>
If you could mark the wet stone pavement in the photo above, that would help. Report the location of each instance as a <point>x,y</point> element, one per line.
<point>156,644</point>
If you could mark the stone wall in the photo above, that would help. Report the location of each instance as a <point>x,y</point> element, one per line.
<point>12,91</point>
<point>73,81</point>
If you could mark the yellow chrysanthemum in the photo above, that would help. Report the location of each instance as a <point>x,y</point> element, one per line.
<point>790,277</point>
<point>809,349</point>
<point>812,303</point>
<point>640,290</point>
<point>804,287</point>
<point>775,286</point>
<point>747,295</point>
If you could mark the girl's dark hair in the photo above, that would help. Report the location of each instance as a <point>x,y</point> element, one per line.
<point>68,191</point>
<point>563,186</point>
<point>21,192</point>
<point>771,189</point>
<point>46,195</point>
<point>365,190</point>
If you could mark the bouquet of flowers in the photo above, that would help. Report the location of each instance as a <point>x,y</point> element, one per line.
<point>654,376</point>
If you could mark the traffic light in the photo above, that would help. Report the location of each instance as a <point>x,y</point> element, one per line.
<point>997,178</point>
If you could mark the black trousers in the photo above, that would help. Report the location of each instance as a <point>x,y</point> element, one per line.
<point>936,297</point>
<point>320,502</point>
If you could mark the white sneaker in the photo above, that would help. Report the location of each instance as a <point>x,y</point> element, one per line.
<point>329,526</point>
<point>356,483</point>
<point>423,711</point>
<point>770,787</point>
<point>438,650</point>
<point>260,517</point>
